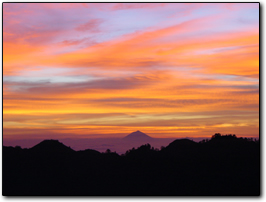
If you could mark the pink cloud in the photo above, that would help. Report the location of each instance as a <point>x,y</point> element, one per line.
<point>122,6</point>
<point>92,26</point>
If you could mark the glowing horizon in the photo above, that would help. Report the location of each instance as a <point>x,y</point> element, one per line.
<point>108,69</point>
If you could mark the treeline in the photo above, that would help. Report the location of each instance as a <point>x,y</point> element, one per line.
<point>222,166</point>
<point>219,136</point>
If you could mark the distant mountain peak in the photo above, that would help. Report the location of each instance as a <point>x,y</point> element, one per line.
<point>137,135</point>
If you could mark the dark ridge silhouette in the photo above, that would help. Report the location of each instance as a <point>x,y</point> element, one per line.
<point>181,144</point>
<point>89,152</point>
<point>222,166</point>
<point>182,148</point>
<point>137,135</point>
<point>51,146</point>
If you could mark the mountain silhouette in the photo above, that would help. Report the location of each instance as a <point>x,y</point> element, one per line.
<point>51,146</point>
<point>181,143</point>
<point>137,135</point>
<point>181,146</point>
<point>222,166</point>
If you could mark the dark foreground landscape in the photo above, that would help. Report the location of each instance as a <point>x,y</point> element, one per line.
<point>222,166</point>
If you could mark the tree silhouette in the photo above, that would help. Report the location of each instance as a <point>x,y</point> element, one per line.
<point>216,136</point>
<point>219,168</point>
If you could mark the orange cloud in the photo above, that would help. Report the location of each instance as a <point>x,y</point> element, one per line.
<point>178,80</point>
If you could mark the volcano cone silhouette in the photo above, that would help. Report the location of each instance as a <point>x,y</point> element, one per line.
<point>137,135</point>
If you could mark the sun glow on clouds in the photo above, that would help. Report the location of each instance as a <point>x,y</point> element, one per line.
<point>169,70</point>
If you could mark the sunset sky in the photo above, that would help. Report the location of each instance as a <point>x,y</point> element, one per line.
<point>77,70</point>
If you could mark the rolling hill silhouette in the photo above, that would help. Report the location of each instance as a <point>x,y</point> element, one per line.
<point>181,146</point>
<point>51,146</point>
<point>222,166</point>
<point>184,143</point>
